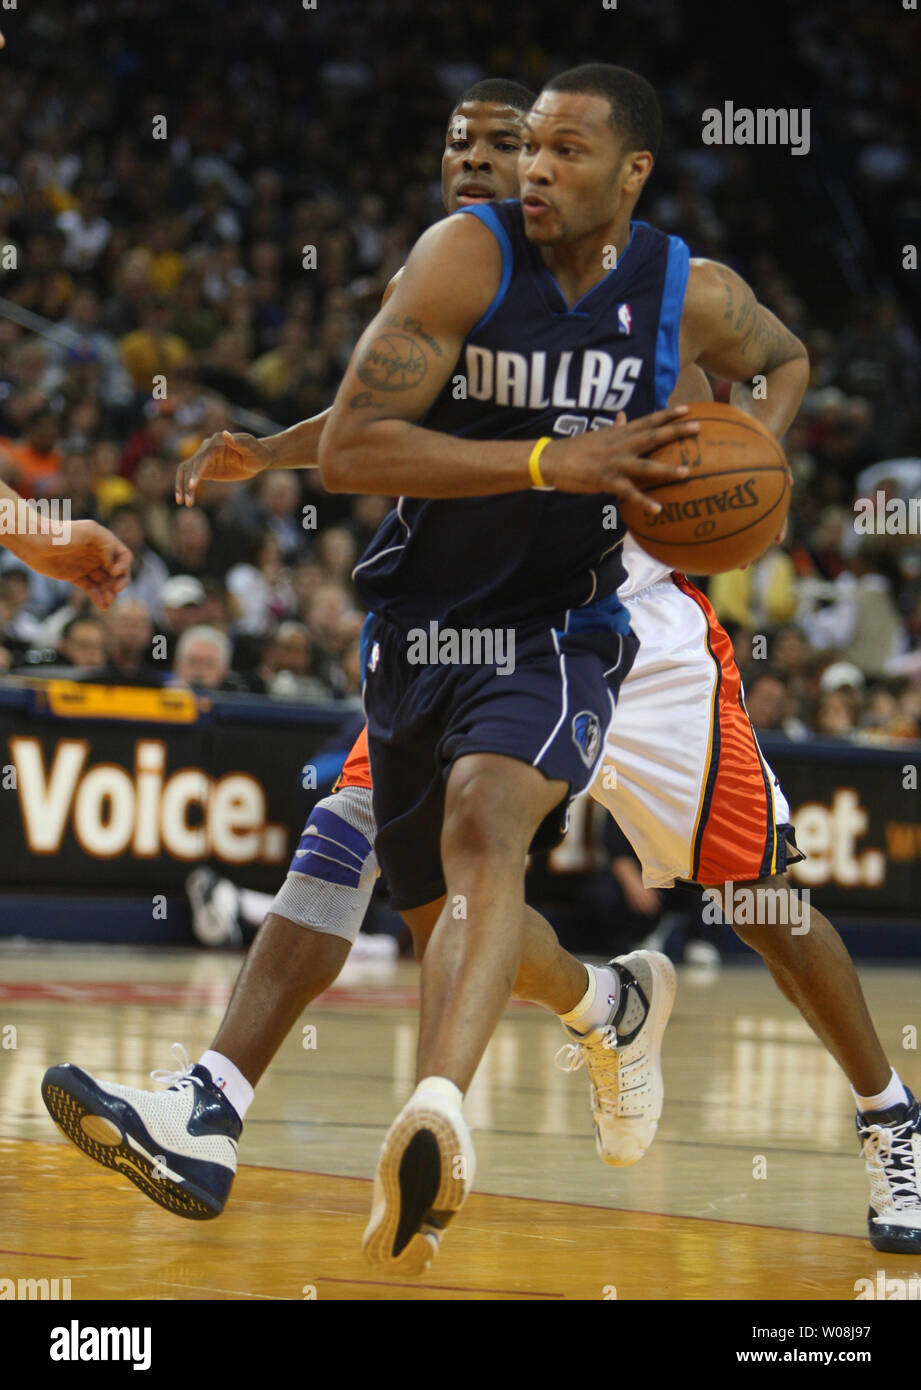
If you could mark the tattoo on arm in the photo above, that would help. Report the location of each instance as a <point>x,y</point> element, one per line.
<point>766,343</point>
<point>392,362</point>
<point>413,325</point>
<point>363,401</point>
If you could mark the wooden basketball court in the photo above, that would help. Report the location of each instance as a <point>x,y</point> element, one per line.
<point>752,1190</point>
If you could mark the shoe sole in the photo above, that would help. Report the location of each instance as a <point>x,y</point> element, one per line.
<point>421,1195</point>
<point>82,1118</point>
<point>895,1240</point>
<point>664,990</point>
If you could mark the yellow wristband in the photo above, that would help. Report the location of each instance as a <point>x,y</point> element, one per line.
<point>537,478</point>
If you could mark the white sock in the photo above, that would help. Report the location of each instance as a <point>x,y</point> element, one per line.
<point>230,1080</point>
<point>894,1094</point>
<point>442,1087</point>
<point>594,1008</point>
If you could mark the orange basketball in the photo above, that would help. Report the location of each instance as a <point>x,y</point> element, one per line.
<point>732,504</point>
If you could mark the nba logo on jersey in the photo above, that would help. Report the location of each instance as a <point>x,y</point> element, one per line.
<point>375,657</point>
<point>586,733</point>
<point>624,318</point>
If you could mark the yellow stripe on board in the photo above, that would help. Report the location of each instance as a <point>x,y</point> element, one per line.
<point>72,699</point>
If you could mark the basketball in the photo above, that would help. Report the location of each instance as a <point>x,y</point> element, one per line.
<point>731,506</point>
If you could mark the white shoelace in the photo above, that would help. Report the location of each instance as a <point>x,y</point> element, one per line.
<point>572,1056</point>
<point>175,1080</point>
<point>894,1144</point>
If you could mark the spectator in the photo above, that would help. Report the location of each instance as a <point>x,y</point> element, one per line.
<point>109,487</point>
<point>190,545</point>
<point>836,714</point>
<point>181,602</point>
<point>130,633</point>
<point>33,464</point>
<point>77,485</point>
<point>280,507</point>
<point>336,553</point>
<point>262,591</point>
<point>276,371</point>
<point>83,643</point>
<point>768,702</point>
<point>857,619</point>
<point>759,596</point>
<point>203,660</point>
<point>148,572</point>
<point>85,228</point>
<point>367,515</point>
<point>21,629</point>
<point>84,319</point>
<point>152,350</point>
<point>153,491</point>
<point>287,665</point>
<point>332,623</point>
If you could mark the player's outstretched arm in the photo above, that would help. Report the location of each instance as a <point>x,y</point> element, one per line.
<point>410,352</point>
<point>727,332</point>
<point>80,552</point>
<point>233,458</point>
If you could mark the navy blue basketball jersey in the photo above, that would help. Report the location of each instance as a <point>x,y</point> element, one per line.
<point>533,366</point>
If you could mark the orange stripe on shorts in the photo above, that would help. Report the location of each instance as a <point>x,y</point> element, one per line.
<point>735,839</point>
<point>356,770</point>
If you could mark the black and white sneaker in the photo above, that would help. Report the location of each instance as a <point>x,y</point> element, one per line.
<point>890,1143</point>
<point>178,1146</point>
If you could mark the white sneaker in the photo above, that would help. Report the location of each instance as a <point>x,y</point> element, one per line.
<point>624,1058</point>
<point>424,1173</point>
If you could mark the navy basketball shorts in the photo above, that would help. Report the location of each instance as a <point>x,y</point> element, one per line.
<point>549,707</point>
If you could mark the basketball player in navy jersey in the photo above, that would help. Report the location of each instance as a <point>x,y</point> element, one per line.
<point>471,769</point>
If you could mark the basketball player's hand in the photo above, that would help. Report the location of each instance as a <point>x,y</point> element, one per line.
<point>92,558</point>
<point>224,458</point>
<point>612,459</point>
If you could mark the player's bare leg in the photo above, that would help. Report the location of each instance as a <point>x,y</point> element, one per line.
<point>813,969</point>
<point>493,807</point>
<point>484,944</point>
<point>287,966</point>
<point>548,975</point>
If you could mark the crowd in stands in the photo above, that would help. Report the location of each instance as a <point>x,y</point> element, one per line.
<point>183,261</point>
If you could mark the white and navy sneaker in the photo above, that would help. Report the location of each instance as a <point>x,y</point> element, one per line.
<point>624,1058</point>
<point>890,1143</point>
<point>424,1173</point>
<point>178,1146</point>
